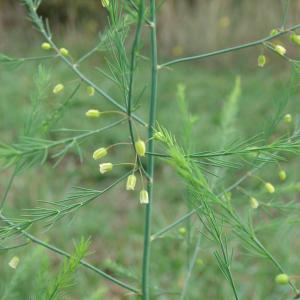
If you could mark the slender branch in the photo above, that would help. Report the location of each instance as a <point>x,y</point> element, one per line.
<point>75,69</point>
<point>66,254</point>
<point>186,216</point>
<point>87,55</point>
<point>227,50</point>
<point>135,7</point>
<point>8,187</point>
<point>150,158</point>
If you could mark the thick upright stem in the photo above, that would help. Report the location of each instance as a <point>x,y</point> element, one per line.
<point>150,158</point>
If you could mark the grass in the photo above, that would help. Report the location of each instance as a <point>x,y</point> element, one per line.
<point>114,222</point>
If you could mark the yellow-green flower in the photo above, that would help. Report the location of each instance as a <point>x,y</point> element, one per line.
<point>105,167</point>
<point>199,262</point>
<point>46,46</point>
<point>254,203</point>
<point>93,113</point>
<point>282,279</point>
<point>14,262</point>
<point>140,147</point>
<point>64,51</point>
<point>105,3</point>
<point>261,60</point>
<point>182,230</point>
<point>282,175</point>
<point>144,198</point>
<point>269,187</point>
<point>295,38</point>
<point>90,91</point>
<point>99,153</point>
<point>58,89</point>
<point>274,32</point>
<point>288,118</point>
<point>131,182</point>
<point>280,49</point>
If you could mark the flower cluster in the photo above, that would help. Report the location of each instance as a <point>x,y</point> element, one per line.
<point>106,167</point>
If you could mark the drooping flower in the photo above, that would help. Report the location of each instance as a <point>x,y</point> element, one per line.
<point>58,89</point>
<point>131,182</point>
<point>182,230</point>
<point>269,187</point>
<point>14,262</point>
<point>140,147</point>
<point>93,113</point>
<point>280,49</point>
<point>144,198</point>
<point>46,46</point>
<point>288,118</point>
<point>254,203</point>
<point>295,38</point>
<point>64,51</point>
<point>90,91</point>
<point>99,153</point>
<point>282,175</point>
<point>282,279</point>
<point>105,167</point>
<point>261,60</point>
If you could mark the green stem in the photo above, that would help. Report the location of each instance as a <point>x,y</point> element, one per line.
<point>150,158</point>
<point>227,50</point>
<point>141,10</point>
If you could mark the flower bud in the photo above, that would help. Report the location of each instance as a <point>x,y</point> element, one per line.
<point>99,153</point>
<point>282,175</point>
<point>93,113</point>
<point>140,148</point>
<point>182,230</point>
<point>274,32</point>
<point>295,38</point>
<point>200,262</point>
<point>90,91</point>
<point>64,51</point>
<point>144,199</point>
<point>105,167</point>
<point>58,89</point>
<point>282,279</point>
<point>14,262</point>
<point>254,203</point>
<point>131,182</point>
<point>269,187</point>
<point>280,50</point>
<point>46,46</point>
<point>261,60</point>
<point>288,118</point>
<point>105,3</point>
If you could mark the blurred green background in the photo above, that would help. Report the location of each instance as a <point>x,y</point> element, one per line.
<point>115,222</point>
